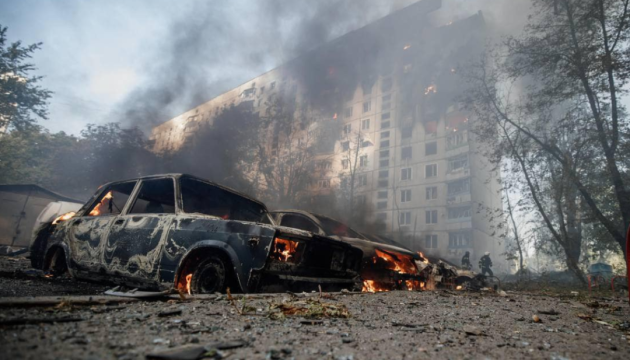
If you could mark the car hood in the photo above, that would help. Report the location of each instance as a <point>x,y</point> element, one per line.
<point>368,247</point>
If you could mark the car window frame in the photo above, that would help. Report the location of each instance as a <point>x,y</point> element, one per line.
<point>95,199</point>
<point>314,221</point>
<point>136,192</point>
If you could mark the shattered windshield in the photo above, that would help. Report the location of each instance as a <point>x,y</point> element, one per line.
<point>203,198</point>
<point>332,227</point>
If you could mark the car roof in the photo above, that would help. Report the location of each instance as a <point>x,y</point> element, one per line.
<point>181,175</point>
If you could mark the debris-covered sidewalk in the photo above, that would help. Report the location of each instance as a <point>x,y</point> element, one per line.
<point>442,324</point>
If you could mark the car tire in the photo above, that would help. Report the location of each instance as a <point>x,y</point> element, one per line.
<point>210,276</point>
<point>56,264</point>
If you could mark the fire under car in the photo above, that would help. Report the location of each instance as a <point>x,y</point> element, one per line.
<point>180,231</point>
<point>385,266</point>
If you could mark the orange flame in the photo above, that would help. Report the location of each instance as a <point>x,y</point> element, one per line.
<point>64,217</point>
<point>97,209</point>
<point>430,89</point>
<point>459,287</point>
<point>285,249</point>
<point>188,280</point>
<point>402,264</point>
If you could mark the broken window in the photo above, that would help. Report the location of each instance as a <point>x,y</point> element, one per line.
<point>204,198</point>
<point>365,124</point>
<point>430,170</point>
<point>430,148</point>
<point>460,213</point>
<point>430,128</point>
<point>431,216</point>
<point>347,129</point>
<point>405,195</point>
<point>366,143</point>
<point>459,240</point>
<point>459,187</point>
<point>155,197</point>
<point>299,222</point>
<point>458,163</point>
<point>456,140</point>
<point>345,146</point>
<point>248,93</point>
<point>431,193</point>
<point>367,106</point>
<point>345,164</point>
<point>405,174</point>
<point>112,200</point>
<point>405,153</point>
<point>431,241</point>
<point>323,184</point>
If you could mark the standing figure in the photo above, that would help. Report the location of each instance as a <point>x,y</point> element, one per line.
<point>466,261</point>
<point>485,264</point>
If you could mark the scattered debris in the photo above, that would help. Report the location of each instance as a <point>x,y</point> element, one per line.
<point>536,319</point>
<point>134,293</point>
<point>169,313</point>
<point>473,330</point>
<point>548,312</point>
<point>194,352</point>
<point>39,320</point>
<point>310,309</point>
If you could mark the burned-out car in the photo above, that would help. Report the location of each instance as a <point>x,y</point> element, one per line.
<point>385,266</point>
<point>182,231</point>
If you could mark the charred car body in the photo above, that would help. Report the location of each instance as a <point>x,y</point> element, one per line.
<point>178,230</point>
<point>385,266</point>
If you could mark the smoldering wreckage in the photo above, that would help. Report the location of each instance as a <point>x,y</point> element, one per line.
<point>182,233</point>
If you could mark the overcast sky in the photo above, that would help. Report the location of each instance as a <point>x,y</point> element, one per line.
<point>100,56</point>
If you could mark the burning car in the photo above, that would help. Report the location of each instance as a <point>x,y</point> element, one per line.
<point>181,231</point>
<point>385,266</point>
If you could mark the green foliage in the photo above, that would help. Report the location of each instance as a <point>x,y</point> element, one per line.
<point>21,99</point>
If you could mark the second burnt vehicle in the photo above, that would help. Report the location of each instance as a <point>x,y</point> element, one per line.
<point>181,231</point>
<point>385,266</point>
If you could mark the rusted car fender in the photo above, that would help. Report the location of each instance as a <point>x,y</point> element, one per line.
<point>66,253</point>
<point>219,246</point>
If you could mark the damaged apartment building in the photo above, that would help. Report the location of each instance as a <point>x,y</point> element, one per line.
<point>389,91</point>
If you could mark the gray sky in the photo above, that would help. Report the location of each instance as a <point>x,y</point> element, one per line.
<point>100,57</point>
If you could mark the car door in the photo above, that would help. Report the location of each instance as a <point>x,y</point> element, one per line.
<point>298,221</point>
<point>87,233</point>
<point>136,238</point>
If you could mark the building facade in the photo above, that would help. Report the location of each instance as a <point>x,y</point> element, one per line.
<point>392,90</point>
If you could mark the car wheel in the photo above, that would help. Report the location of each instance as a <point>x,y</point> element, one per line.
<point>209,277</point>
<point>56,264</point>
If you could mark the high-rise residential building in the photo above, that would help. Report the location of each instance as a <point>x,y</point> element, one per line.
<point>392,91</point>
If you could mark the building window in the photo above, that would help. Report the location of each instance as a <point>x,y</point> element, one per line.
<point>430,170</point>
<point>431,216</point>
<point>365,124</point>
<point>363,161</point>
<point>405,195</point>
<point>458,187</point>
<point>365,143</point>
<point>430,128</point>
<point>381,216</point>
<point>405,218</point>
<point>460,213</point>
<point>273,85</point>
<point>387,98</point>
<point>407,132</point>
<point>383,183</point>
<point>383,163</point>
<point>382,205</point>
<point>459,240</point>
<point>382,195</point>
<point>456,140</point>
<point>362,180</point>
<point>345,146</point>
<point>386,84</point>
<point>347,129</point>
<point>367,106</point>
<point>347,112</point>
<point>361,200</point>
<point>383,174</point>
<point>386,116</point>
<point>386,106</point>
<point>384,153</point>
<point>323,184</point>
<point>406,153</point>
<point>345,164</point>
<point>385,135</point>
<point>458,163</point>
<point>324,165</point>
<point>430,241</point>
<point>385,144</point>
<point>405,174</point>
<point>431,193</point>
<point>430,148</point>
<point>385,125</point>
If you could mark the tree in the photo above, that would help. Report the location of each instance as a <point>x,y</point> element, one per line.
<point>20,97</point>
<point>570,66</point>
<point>353,159</point>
